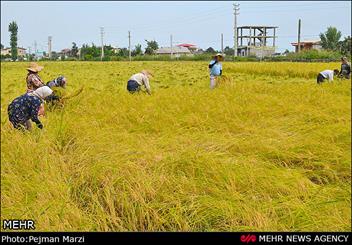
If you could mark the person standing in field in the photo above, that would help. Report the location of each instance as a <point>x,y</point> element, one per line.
<point>345,68</point>
<point>28,107</point>
<point>33,80</point>
<point>215,69</point>
<point>327,74</point>
<point>140,79</point>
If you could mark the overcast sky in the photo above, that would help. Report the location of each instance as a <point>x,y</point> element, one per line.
<point>199,23</point>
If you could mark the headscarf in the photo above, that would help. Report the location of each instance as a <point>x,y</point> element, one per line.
<point>42,92</point>
<point>147,73</point>
<point>58,82</point>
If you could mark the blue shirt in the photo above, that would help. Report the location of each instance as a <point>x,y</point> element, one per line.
<point>216,69</point>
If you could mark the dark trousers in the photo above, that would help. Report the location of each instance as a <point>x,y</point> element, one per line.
<point>320,78</point>
<point>133,86</point>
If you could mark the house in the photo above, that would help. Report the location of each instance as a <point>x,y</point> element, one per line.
<point>5,51</point>
<point>308,45</point>
<point>66,51</point>
<point>191,47</point>
<point>20,51</point>
<point>176,51</point>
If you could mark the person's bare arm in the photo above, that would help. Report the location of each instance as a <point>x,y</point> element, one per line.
<point>147,84</point>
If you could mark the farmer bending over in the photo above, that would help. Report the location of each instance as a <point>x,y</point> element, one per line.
<point>28,107</point>
<point>137,80</point>
<point>215,69</point>
<point>55,85</point>
<point>345,68</point>
<point>327,74</point>
<point>33,80</point>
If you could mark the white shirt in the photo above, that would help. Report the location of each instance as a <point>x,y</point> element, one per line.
<point>328,74</point>
<point>141,79</point>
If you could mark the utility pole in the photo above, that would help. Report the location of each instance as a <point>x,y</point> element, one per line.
<point>49,46</point>
<point>35,50</point>
<point>29,53</point>
<point>299,36</point>
<point>129,45</point>
<point>102,42</point>
<point>236,8</point>
<point>171,46</point>
<point>222,44</point>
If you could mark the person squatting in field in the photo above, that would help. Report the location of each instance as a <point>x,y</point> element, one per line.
<point>327,74</point>
<point>28,107</point>
<point>140,79</point>
<point>345,68</point>
<point>215,69</point>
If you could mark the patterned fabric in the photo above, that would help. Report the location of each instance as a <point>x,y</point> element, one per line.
<point>24,108</point>
<point>33,81</point>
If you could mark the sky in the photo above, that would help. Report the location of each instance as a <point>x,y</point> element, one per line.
<point>197,22</point>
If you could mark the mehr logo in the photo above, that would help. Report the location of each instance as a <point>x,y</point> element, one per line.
<point>248,238</point>
<point>18,224</point>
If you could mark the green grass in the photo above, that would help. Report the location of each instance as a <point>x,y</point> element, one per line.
<point>267,152</point>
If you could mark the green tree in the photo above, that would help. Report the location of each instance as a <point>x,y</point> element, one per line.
<point>345,46</point>
<point>13,29</point>
<point>74,50</point>
<point>54,55</point>
<point>137,50</point>
<point>228,50</point>
<point>330,39</point>
<point>210,50</point>
<point>151,47</point>
<point>123,52</point>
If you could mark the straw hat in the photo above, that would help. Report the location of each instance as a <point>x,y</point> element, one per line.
<point>34,67</point>
<point>221,57</point>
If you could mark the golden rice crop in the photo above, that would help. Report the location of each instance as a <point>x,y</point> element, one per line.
<point>266,150</point>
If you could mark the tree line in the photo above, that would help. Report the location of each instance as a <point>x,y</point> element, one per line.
<point>330,41</point>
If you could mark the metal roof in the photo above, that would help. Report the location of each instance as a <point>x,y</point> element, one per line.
<point>175,50</point>
<point>186,45</point>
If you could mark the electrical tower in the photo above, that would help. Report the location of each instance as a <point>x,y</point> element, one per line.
<point>236,8</point>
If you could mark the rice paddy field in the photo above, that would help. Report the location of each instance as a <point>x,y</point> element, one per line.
<point>267,150</point>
